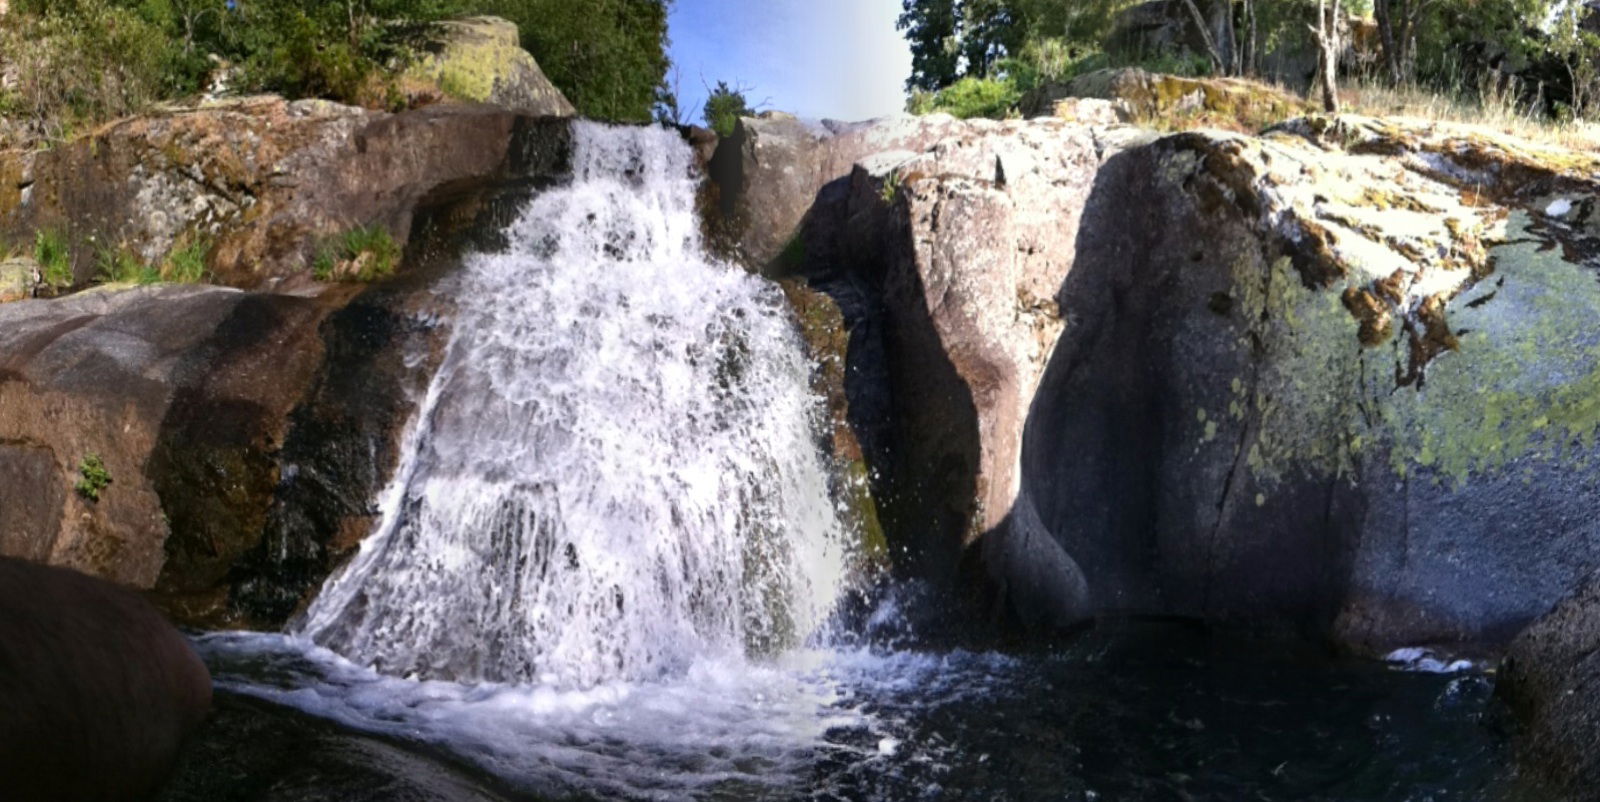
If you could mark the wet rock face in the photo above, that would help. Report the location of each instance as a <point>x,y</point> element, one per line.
<point>99,692</point>
<point>222,448</point>
<point>1322,384</point>
<point>180,394</point>
<point>252,751</point>
<point>242,436</point>
<point>265,183</point>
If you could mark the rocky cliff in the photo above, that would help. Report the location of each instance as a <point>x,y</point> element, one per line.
<point>1330,380</point>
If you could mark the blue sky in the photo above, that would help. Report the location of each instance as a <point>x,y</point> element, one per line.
<point>840,59</point>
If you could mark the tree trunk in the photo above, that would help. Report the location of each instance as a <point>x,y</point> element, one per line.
<point>1205,35</point>
<point>1327,33</point>
<point>1252,56</point>
<point>1386,39</point>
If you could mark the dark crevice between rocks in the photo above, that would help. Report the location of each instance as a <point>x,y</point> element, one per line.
<point>906,405</point>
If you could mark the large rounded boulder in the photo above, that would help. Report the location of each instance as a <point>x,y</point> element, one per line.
<point>98,690</point>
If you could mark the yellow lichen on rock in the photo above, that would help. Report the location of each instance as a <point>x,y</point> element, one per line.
<point>1176,103</point>
<point>1428,315</point>
<point>480,60</point>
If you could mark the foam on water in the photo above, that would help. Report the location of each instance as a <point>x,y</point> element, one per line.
<point>721,725</point>
<point>615,474</point>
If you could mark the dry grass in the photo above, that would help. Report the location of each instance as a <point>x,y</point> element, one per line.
<point>1495,107</point>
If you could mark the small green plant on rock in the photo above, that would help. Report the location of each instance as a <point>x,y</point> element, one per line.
<point>93,477</point>
<point>891,188</point>
<point>364,253</point>
<point>121,266</point>
<point>187,265</point>
<point>55,260</point>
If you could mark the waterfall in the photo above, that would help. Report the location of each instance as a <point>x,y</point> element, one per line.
<point>614,472</point>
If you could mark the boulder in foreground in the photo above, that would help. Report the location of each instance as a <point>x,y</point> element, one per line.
<point>98,690</point>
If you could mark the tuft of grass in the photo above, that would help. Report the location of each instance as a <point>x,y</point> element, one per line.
<point>187,265</point>
<point>363,254</point>
<point>54,257</point>
<point>891,189</point>
<point>93,478</point>
<point>121,266</point>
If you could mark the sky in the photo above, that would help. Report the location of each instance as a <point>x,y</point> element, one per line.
<point>838,59</point>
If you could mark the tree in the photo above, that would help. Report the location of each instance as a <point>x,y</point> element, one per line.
<point>931,28</point>
<point>725,105</point>
<point>1398,21</point>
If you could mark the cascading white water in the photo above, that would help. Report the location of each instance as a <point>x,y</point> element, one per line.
<point>614,472</point>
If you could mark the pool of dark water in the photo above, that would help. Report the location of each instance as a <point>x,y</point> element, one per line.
<point>1174,712</point>
<point>1130,711</point>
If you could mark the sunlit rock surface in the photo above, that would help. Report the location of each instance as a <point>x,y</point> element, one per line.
<point>263,183</point>
<point>1331,380</point>
<point>480,59</point>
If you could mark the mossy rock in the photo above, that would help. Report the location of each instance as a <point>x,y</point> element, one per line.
<point>18,276</point>
<point>1175,102</point>
<point>480,60</point>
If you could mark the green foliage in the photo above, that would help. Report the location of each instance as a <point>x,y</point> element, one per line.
<point>187,264</point>
<point>54,257</point>
<point>84,62</point>
<point>952,39</point>
<point>1549,50</point>
<point>121,266</point>
<point>81,62</point>
<point>724,106</point>
<point>995,98</point>
<point>93,478</point>
<point>338,50</point>
<point>1179,62</point>
<point>891,189</point>
<point>364,254</point>
<point>609,57</point>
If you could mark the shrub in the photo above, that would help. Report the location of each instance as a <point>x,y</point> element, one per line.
<point>93,478</point>
<point>78,63</point>
<point>55,259</point>
<point>995,98</point>
<point>1052,61</point>
<point>724,106</point>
